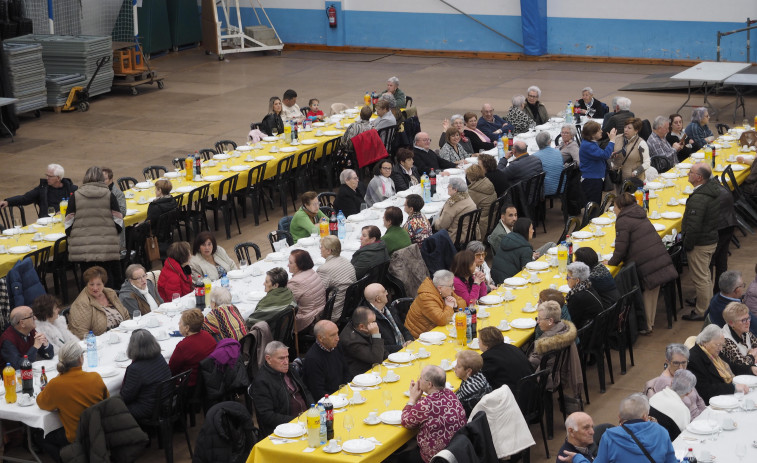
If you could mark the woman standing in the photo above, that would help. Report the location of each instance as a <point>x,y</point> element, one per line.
<point>515,251</point>
<point>677,135</point>
<point>631,152</point>
<point>478,139</point>
<point>452,150</point>
<point>97,308</point>
<point>483,194</point>
<point>636,240</point>
<point>147,369</point>
<point>594,161</point>
<point>306,220</point>
<point>272,121</point>
<point>307,288</point>
<point>469,283</point>
<point>209,258</point>
<point>381,186</point>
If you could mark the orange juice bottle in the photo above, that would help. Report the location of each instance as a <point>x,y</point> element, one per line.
<point>9,381</point>
<point>639,196</point>
<point>461,326</point>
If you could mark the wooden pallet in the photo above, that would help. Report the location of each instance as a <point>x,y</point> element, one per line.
<point>135,79</point>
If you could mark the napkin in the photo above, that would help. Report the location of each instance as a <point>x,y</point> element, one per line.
<point>256,135</point>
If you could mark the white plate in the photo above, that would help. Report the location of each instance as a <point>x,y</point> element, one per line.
<point>366,380</point>
<point>307,241</point>
<point>748,380</point>
<point>581,234</point>
<point>106,372</point>
<point>557,119</point>
<point>431,208</point>
<point>601,221</point>
<point>212,178</point>
<point>19,249</point>
<point>44,220</point>
<point>221,157</point>
<point>184,189</point>
<point>552,251</point>
<point>490,299</point>
<point>698,156</point>
<point>564,289</point>
<point>129,325</point>
<point>12,231</point>
<point>472,160</point>
<point>432,336</point>
<point>669,175</point>
<point>54,236</point>
<point>27,404</point>
<point>659,227</point>
<point>358,446</point>
<point>289,430</point>
<point>269,138</point>
<point>724,401</point>
<point>288,149</point>
<point>737,167</point>
<point>728,138</point>
<point>238,168</point>
<point>523,323</point>
<point>255,295</point>
<point>671,215</point>
<point>371,423</point>
<point>143,185</point>
<point>683,165</point>
<point>400,357</point>
<point>332,132</point>
<point>319,124</point>
<point>654,186</point>
<point>235,274</point>
<point>264,158</point>
<point>454,171</point>
<point>274,256</point>
<point>515,281</point>
<point>309,141</point>
<point>338,401</point>
<point>245,148</point>
<point>391,417</point>
<point>703,426</point>
<point>537,265</point>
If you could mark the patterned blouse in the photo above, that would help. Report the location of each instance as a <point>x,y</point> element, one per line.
<point>225,322</point>
<point>735,349</point>
<point>520,120</point>
<point>472,390</point>
<point>449,153</point>
<point>418,227</point>
<point>438,417</point>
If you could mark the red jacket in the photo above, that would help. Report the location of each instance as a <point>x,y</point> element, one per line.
<point>368,148</point>
<point>172,280</point>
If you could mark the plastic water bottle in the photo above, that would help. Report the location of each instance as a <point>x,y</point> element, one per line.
<point>426,188</point>
<point>500,149</point>
<point>569,112</point>
<point>91,350</point>
<point>322,429</point>
<point>314,427</point>
<point>224,280</point>
<point>342,225</point>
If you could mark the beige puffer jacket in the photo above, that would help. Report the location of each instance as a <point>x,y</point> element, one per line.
<point>94,237</point>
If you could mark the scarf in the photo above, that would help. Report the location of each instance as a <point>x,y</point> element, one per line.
<point>387,186</point>
<point>313,217</point>
<point>481,135</point>
<point>400,340</point>
<point>148,297</point>
<point>723,369</point>
<point>580,286</point>
<point>458,196</point>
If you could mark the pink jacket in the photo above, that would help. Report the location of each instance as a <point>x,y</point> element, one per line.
<point>309,295</point>
<point>470,297</point>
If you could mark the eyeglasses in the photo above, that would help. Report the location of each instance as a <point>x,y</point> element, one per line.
<point>569,277</point>
<point>682,363</point>
<point>481,254</point>
<point>745,320</point>
<point>27,318</point>
<point>386,168</point>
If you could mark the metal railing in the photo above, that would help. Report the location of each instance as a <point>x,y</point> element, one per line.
<point>746,29</point>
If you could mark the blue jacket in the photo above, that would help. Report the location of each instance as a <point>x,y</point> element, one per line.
<point>618,446</point>
<point>551,162</point>
<point>490,127</point>
<point>717,306</point>
<point>593,159</point>
<point>23,283</point>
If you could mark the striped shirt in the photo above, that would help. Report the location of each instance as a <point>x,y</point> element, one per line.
<point>225,322</point>
<point>337,273</point>
<point>471,390</point>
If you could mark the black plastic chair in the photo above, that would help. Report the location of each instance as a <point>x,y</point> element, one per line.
<point>327,211</point>
<point>591,211</point>
<point>326,167</point>
<point>328,309</point>
<point>661,163</point>
<point>304,171</point>
<point>745,206</point>
<point>39,259</point>
<point>304,110</point>
<point>155,171</point>
<point>135,244</point>
<point>353,295</point>
<point>393,286</point>
<point>495,210</point>
<point>597,346</point>
<point>168,229</point>
<point>278,235</point>
<point>126,183</point>
<point>254,191</point>
<point>531,195</point>
<point>207,154</point>
<point>256,125</point>
<point>9,217</point>
<point>195,210</point>
<point>553,362</point>
<point>402,306</point>
<point>620,333</point>
<point>387,135</point>
<point>242,251</point>
<point>170,400</point>
<point>179,163</point>
<point>225,145</point>
<point>628,187</point>
<point>59,266</point>
<point>467,225</point>
<point>282,182</point>
<point>282,325</point>
<point>571,225</point>
<point>408,101</point>
<point>582,337</point>
<point>607,201</point>
<point>669,289</point>
<point>722,129</point>
<point>559,192</point>
<point>529,393</point>
<point>327,198</point>
<point>627,281</point>
<point>224,203</point>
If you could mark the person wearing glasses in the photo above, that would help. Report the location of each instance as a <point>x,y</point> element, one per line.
<point>49,193</point>
<point>22,338</point>
<point>434,305</point>
<point>533,108</point>
<point>425,159</point>
<point>479,250</point>
<point>731,290</point>
<point>583,301</point>
<point>137,292</point>
<point>714,375</point>
<point>676,358</point>
<point>381,186</point>
<point>740,344</point>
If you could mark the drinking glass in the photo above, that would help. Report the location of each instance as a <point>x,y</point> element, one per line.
<point>51,214</point>
<point>175,297</point>
<point>387,395</point>
<point>17,233</point>
<point>148,176</point>
<point>275,132</point>
<point>741,451</point>
<point>348,421</point>
<point>243,265</point>
<point>745,124</point>
<point>135,315</point>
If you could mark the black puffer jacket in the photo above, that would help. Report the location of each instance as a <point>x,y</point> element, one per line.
<point>271,399</point>
<point>106,432</point>
<point>701,218</point>
<point>227,435</point>
<point>220,381</point>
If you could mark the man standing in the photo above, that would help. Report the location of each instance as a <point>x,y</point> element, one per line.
<point>534,108</point>
<point>518,165</point>
<point>325,367</point>
<point>658,145</point>
<point>392,330</point>
<point>700,234</point>
<point>21,338</point>
<point>492,125</point>
<point>49,193</point>
<point>289,109</point>
<point>425,159</point>
<point>278,392</point>
<point>361,344</point>
<point>551,161</point>
<point>580,436</point>
<point>505,226</point>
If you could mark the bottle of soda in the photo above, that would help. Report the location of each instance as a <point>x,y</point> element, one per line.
<point>198,167</point>
<point>42,380</point>
<point>323,227</point>
<point>510,141</point>
<point>9,381</point>
<point>27,378</point>
<point>333,225</point>
<point>208,287</point>
<point>294,132</point>
<point>468,326</point>
<point>314,427</point>
<point>199,293</point>
<point>569,244</point>
<point>460,326</point>
<point>473,321</point>
<point>329,407</point>
<point>432,180</point>
<point>189,167</point>
<point>690,456</point>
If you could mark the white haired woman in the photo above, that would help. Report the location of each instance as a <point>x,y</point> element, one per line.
<point>393,88</point>
<point>137,292</point>
<point>459,203</point>
<point>536,111</point>
<point>224,320</point>
<point>434,305</point>
<point>698,130</point>
<point>676,359</point>
<point>670,402</point>
<point>714,375</point>
<point>568,144</point>
<point>583,301</point>
<point>479,250</point>
<point>350,195</point>
<point>518,117</point>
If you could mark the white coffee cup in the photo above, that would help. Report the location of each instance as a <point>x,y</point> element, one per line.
<point>705,455</point>
<point>728,423</point>
<point>122,357</point>
<point>503,325</point>
<point>161,335</point>
<point>113,338</point>
<point>508,294</point>
<point>224,168</point>
<point>748,404</point>
<point>373,417</point>
<point>38,236</point>
<point>249,159</point>
<point>553,286</point>
<point>445,364</point>
<point>529,306</point>
<point>274,149</point>
<point>332,444</point>
<point>153,322</point>
<point>422,352</point>
<point>2,249</point>
<point>356,396</point>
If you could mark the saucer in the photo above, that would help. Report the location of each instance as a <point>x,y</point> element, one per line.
<point>336,449</point>
<point>425,356</point>
<point>358,402</point>
<point>372,423</point>
<point>387,379</point>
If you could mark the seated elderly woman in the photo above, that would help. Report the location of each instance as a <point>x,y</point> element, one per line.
<point>457,122</point>
<point>676,358</point>
<point>147,369</point>
<point>453,150</point>
<point>337,272</point>
<point>195,347</point>
<point>504,363</point>
<point>361,125</point>
<point>137,292</point>
<point>583,301</point>
<point>381,186</point>
<point>483,194</point>
<point>395,237</point>
<point>208,258</point>
<point>404,173</point>
<point>470,283</point>
<point>393,89</point>
<point>698,130</point>
<point>515,251</point>
<point>47,309</point>
<point>350,195</point>
<point>589,105</point>
<point>224,320</point>
<point>555,295</point>
<point>669,405</point>
<point>474,384</point>
<point>97,308</point>
<point>714,376</point>
<point>417,225</point>
<point>568,145</point>
<point>434,305</point>
<point>601,278</point>
<point>517,115</point>
<point>162,204</point>
<point>740,344</point>
<point>175,276</point>
<point>479,251</point>
<point>459,203</point>
<point>277,298</point>
<point>306,220</point>
<point>307,288</point>
<point>478,139</point>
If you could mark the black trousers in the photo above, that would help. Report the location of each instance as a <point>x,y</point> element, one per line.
<point>720,257</point>
<point>53,442</point>
<point>592,188</point>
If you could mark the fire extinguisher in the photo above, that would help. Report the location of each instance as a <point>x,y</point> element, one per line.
<point>331,13</point>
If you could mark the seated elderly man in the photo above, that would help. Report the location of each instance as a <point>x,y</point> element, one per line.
<point>385,117</point>
<point>325,366</point>
<point>618,445</point>
<point>740,344</point>
<point>492,125</point>
<point>551,162</point>
<point>278,392</point>
<point>676,358</point>
<point>622,113</point>
<point>361,343</point>
<point>393,88</point>
<point>658,145</point>
<point>393,332</point>
<point>589,105</point>
<point>732,288</point>
<point>518,165</point>
<point>425,159</point>
<point>21,338</point>
<point>534,108</point>
<point>437,416</point>
<point>372,251</point>
<point>434,305</point>
<point>49,193</point>
<point>669,408</point>
<point>579,428</point>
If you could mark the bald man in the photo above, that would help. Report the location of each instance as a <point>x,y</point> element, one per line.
<point>580,436</point>
<point>390,325</point>
<point>518,165</point>
<point>21,338</point>
<point>424,159</point>
<point>325,367</point>
<point>492,125</point>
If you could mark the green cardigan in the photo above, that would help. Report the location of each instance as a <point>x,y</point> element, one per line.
<point>396,238</point>
<point>301,226</point>
<point>272,303</point>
